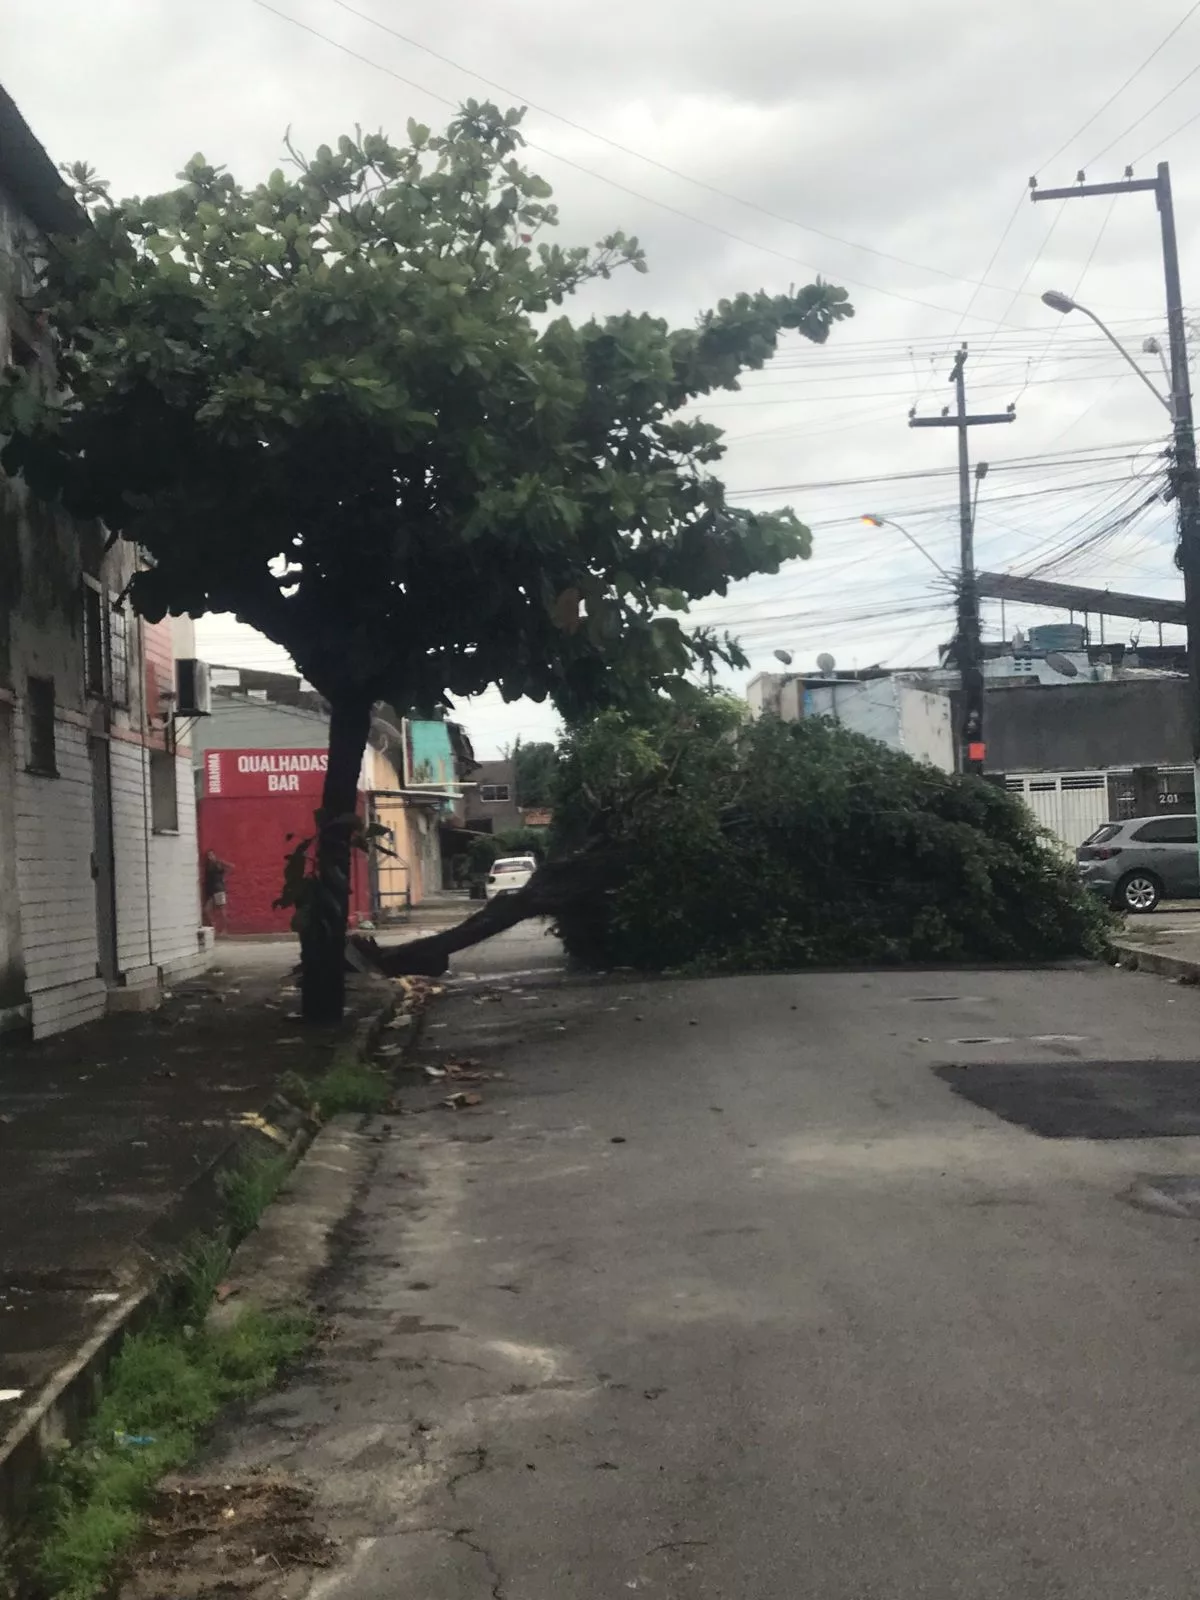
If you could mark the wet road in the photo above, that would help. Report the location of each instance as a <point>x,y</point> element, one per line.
<point>723,1291</point>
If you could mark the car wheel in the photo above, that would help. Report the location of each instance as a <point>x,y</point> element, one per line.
<point>1139,892</point>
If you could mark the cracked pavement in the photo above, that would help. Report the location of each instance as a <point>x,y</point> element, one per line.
<point>722,1292</point>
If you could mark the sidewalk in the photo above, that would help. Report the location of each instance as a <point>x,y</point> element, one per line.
<point>111,1137</point>
<point>1167,942</point>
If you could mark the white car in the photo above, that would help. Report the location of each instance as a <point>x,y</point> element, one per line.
<point>510,873</point>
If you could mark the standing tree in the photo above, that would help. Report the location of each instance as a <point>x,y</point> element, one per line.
<point>334,405</point>
<point>535,767</point>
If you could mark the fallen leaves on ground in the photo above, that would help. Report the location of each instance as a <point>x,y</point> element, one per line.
<point>461,1101</point>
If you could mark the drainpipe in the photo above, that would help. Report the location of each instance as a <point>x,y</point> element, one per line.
<point>144,731</point>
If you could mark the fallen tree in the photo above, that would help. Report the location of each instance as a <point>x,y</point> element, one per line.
<point>701,842</point>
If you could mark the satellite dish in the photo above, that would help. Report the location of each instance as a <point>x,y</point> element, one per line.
<point>785,656</point>
<point>826,663</point>
<point>1063,664</point>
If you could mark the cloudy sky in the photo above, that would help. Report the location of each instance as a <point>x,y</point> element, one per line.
<point>886,147</point>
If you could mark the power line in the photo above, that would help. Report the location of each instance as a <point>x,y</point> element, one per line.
<point>1158,143</point>
<point>653,161</point>
<point>961,323</point>
<point>636,194</point>
<point>871,394</point>
<point>1162,99</point>
<point>1087,456</point>
<point>1058,321</point>
<point>1117,93</point>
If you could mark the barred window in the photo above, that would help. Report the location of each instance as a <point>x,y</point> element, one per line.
<point>118,653</point>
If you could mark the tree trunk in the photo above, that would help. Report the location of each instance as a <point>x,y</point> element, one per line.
<point>323,934</point>
<point>554,887</point>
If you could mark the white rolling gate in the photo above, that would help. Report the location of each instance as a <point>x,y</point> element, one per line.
<point>1071,805</point>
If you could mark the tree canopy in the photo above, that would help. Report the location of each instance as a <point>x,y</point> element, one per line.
<point>341,404</point>
<point>332,404</point>
<point>536,768</point>
<point>691,839</point>
<point>750,846</point>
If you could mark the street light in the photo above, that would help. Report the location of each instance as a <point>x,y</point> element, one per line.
<point>1057,301</point>
<point>874,521</point>
<point>1153,347</point>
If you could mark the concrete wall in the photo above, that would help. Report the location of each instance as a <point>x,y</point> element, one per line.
<point>238,723</point>
<point>1077,727</point>
<point>497,816</point>
<point>926,726</point>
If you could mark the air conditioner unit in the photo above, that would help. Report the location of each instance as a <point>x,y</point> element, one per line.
<point>194,696</point>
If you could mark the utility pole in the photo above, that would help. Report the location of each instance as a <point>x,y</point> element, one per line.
<point>972,746</point>
<point>1187,487</point>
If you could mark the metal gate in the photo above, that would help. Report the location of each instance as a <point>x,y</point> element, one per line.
<point>1071,805</point>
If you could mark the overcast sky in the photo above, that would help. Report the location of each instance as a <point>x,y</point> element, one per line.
<point>887,147</point>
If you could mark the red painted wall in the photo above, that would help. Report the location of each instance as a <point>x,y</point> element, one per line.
<point>250,801</point>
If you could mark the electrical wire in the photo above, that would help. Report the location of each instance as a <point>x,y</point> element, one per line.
<point>961,323</point>
<point>1158,143</point>
<point>1117,93</point>
<point>1162,99</point>
<point>1058,323</point>
<point>663,166</point>
<point>636,194</point>
<point>1086,456</point>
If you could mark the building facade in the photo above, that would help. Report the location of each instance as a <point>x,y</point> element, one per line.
<point>902,715</point>
<point>491,804</point>
<point>260,766</point>
<point>1083,734</point>
<point>99,903</point>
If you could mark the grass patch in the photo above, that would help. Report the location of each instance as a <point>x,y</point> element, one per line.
<point>168,1383</point>
<point>350,1084</point>
<point>165,1387</point>
<point>248,1188</point>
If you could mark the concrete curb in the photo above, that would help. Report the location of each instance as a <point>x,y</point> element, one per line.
<point>1141,958</point>
<point>58,1412</point>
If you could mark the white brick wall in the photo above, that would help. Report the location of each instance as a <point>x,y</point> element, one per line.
<point>54,824</point>
<point>175,885</point>
<point>130,822</point>
<point>163,931</point>
<point>53,827</point>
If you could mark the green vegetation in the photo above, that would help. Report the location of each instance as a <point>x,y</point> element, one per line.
<point>248,1188</point>
<point>349,1083</point>
<point>166,1386</point>
<point>738,846</point>
<point>536,766</point>
<point>344,402</point>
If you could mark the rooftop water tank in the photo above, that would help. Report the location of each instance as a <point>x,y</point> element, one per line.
<point>1057,636</point>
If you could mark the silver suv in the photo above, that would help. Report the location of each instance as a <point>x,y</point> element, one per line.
<point>1137,863</point>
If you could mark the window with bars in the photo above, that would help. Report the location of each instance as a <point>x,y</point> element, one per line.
<point>94,654</point>
<point>493,792</point>
<point>118,654</point>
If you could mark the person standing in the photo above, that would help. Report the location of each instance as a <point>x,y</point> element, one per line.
<point>215,897</point>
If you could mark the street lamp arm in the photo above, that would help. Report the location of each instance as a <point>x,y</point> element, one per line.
<point>1063,303</point>
<point>1162,399</point>
<point>887,522</point>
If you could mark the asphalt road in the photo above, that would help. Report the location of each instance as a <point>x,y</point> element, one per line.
<point>723,1291</point>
